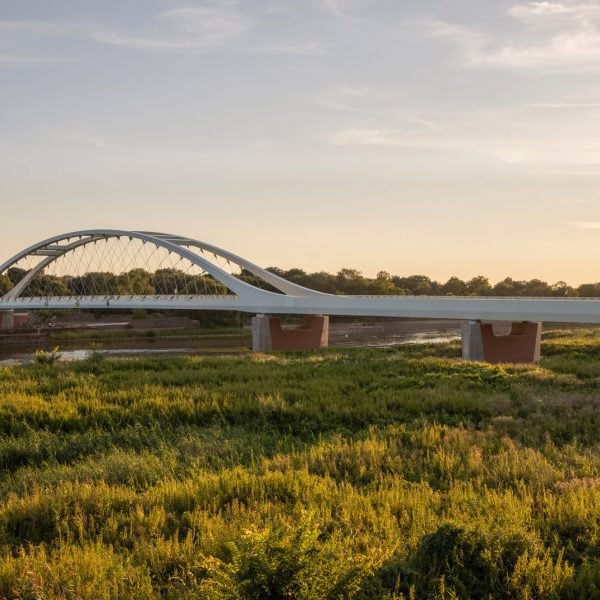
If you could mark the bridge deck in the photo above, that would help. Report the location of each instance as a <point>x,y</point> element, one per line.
<point>561,310</point>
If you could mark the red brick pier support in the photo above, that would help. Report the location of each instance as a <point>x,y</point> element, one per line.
<point>268,334</point>
<point>521,345</point>
<point>7,319</point>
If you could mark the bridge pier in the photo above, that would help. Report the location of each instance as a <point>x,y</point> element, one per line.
<point>7,319</point>
<point>268,334</point>
<point>521,345</point>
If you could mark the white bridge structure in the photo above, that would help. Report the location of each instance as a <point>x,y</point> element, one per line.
<point>119,269</point>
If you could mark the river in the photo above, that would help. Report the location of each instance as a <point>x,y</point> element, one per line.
<point>377,334</point>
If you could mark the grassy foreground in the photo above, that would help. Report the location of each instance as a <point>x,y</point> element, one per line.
<point>401,473</point>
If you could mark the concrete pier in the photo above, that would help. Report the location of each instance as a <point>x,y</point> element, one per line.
<point>521,344</point>
<point>261,334</point>
<point>472,344</point>
<point>268,334</point>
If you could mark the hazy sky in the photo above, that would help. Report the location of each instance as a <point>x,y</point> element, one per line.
<point>443,137</point>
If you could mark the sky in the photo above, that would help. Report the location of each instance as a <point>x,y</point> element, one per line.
<point>440,137</point>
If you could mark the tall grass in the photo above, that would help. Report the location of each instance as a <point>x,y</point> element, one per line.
<point>402,473</point>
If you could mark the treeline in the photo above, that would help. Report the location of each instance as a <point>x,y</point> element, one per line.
<point>351,281</point>
<point>346,281</point>
<point>136,282</point>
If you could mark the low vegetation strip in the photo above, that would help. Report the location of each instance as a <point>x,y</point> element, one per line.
<point>354,473</point>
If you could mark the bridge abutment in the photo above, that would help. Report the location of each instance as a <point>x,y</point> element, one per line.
<point>7,319</point>
<point>521,345</point>
<point>268,334</point>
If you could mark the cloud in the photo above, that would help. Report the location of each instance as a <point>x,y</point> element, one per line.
<point>555,36</point>
<point>537,12</point>
<point>516,135</point>
<point>342,7</point>
<point>190,28</point>
<point>469,41</point>
<point>344,98</point>
<point>366,136</point>
<point>576,51</point>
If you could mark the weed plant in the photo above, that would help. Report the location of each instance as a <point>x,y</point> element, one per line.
<point>354,473</point>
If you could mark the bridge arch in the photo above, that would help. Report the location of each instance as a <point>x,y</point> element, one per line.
<point>192,250</point>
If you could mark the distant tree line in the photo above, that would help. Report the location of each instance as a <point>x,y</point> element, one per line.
<point>351,281</point>
<point>135,282</point>
<point>345,281</point>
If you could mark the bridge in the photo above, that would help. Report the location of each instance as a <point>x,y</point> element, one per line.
<point>120,269</point>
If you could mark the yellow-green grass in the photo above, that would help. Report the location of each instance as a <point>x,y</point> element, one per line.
<point>400,473</point>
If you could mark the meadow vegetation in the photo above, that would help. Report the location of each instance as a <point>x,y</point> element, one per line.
<point>344,473</point>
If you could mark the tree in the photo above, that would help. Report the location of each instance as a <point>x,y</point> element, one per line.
<point>479,286</point>
<point>536,287</point>
<point>384,285</point>
<point>5,284</point>
<point>350,281</point>
<point>561,290</point>
<point>455,287</point>
<point>322,282</point>
<point>136,282</point>
<point>589,290</point>
<point>416,284</point>
<point>15,274</point>
<point>46,285</point>
<point>506,287</point>
<point>94,284</point>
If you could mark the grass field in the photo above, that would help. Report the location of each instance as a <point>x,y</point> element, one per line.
<point>401,473</point>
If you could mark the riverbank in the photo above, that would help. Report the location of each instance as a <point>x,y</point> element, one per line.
<point>365,473</point>
<point>195,341</point>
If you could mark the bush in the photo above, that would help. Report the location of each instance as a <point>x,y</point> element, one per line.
<point>45,357</point>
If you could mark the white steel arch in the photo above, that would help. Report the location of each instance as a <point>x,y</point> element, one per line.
<point>292,298</point>
<point>51,250</point>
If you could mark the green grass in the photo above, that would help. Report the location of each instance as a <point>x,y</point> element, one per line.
<point>401,473</point>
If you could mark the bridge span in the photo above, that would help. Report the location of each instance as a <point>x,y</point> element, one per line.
<point>121,269</point>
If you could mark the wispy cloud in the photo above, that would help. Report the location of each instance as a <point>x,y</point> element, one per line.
<point>548,11</point>
<point>343,7</point>
<point>569,51</point>
<point>555,36</point>
<point>190,28</point>
<point>516,135</point>
<point>345,98</point>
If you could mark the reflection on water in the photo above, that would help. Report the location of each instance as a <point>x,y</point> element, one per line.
<point>400,340</point>
<point>393,333</point>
